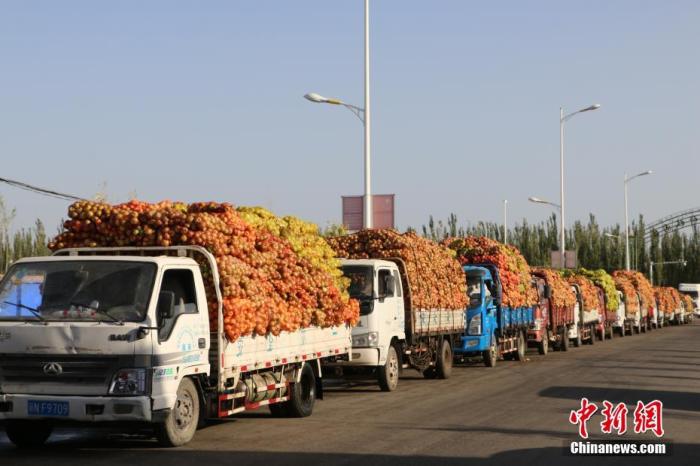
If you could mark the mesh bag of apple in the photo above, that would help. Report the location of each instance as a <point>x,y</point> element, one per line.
<point>276,274</point>
<point>512,266</point>
<point>664,300</point>
<point>603,279</point>
<point>435,277</point>
<point>562,294</point>
<point>688,301</point>
<point>624,285</point>
<point>589,293</point>
<point>642,285</point>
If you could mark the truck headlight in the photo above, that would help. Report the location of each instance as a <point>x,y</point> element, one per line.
<point>128,382</point>
<point>365,340</point>
<point>475,325</point>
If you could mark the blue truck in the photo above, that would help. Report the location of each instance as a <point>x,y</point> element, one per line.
<point>493,330</point>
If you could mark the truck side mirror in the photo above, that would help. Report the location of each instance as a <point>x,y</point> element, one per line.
<point>547,291</point>
<point>166,305</point>
<point>499,292</point>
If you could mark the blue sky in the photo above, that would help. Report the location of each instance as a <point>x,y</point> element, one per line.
<point>203,101</point>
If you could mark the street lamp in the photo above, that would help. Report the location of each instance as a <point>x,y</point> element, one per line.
<point>505,221</point>
<point>364,115</point>
<point>627,224</point>
<point>562,119</point>
<point>537,200</point>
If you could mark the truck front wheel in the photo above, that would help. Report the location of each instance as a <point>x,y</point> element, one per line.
<point>491,355</point>
<point>388,374</point>
<point>543,345</point>
<point>520,353</point>
<point>181,424</point>
<point>564,343</point>
<point>28,434</point>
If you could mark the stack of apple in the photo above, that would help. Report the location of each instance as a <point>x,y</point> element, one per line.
<point>625,285</point>
<point>603,279</point>
<point>562,294</point>
<point>267,286</point>
<point>643,287</point>
<point>665,300</point>
<point>513,269</point>
<point>689,304</point>
<point>435,278</point>
<point>589,293</point>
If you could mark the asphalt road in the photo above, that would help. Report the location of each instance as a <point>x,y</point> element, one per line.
<point>513,413</point>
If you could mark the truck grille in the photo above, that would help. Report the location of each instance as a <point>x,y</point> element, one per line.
<point>65,374</point>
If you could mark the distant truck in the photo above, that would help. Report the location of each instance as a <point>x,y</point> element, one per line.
<point>692,290</point>
<point>585,321</point>
<point>551,323</point>
<point>393,335</point>
<point>606,317</point>
<point>122,335</point>
<point>493,330</point>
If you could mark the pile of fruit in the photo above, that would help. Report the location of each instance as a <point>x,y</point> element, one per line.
<point>267,286</point>
<point>562,294</point>
<point>589,292</point>
<point>668,299</point>
<point>512,267</point>
<point>435,277</point>
<point>623,284</point>
<point>603,279</point>
<point>689,304</point>
<point>642,285</point>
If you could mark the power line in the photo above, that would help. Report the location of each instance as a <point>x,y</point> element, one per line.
<point>42,191</point>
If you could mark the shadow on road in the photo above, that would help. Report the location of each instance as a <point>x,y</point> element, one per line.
<point>687,401</point>
<point>71,455</point>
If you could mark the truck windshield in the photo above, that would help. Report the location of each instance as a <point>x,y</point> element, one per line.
<point>474,290</point>
<point>361,281</point>
<point>77,291</point>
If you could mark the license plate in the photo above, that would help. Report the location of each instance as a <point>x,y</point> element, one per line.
<point>47,408</point>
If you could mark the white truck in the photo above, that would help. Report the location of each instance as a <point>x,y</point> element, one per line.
<point>123,334</point>
<point>692,290</point>
<point>391,334</point>
<point>585,321</point>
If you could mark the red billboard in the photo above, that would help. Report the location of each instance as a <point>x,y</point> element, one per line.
<point>382,215</point>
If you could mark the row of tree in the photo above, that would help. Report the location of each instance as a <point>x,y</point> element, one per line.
<point>22,243</point>
<point>596,247</point>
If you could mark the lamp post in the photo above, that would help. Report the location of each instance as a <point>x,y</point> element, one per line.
<point>537,200</point>
<point>364,115</point>
<point>505,221</point>
<point>563,119</point>
<point>627,223</point>
<point>619,237</point>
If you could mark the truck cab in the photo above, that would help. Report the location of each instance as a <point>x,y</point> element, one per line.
<point>692,290</point>
<point>99,338</point>
<point>378,337</point>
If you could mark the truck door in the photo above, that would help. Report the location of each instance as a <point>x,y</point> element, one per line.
<point>183,335</point>
<point>387,290</point>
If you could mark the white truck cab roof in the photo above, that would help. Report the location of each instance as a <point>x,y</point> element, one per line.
<point>158,260</point>
<point>368,262</point>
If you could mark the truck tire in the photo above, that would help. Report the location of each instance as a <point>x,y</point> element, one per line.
<point>577,340</point>
<point>593,335</point>
<point>443,365</point>
<point>28,434</point>
<point>520,351</point>
<point>611,332</point>
<point>388,374</point>
<point>302,395</point>
<point>181,424</point>
<point>491,355</point>
<point>603,331</point>
<point>564,343</point>
<point>543,345</point>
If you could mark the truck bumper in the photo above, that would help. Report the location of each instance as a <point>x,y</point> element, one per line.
<point>473,344</point>
<point>360,357</point>
<point>80,408</point>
